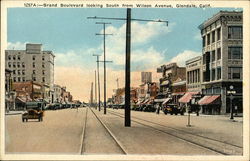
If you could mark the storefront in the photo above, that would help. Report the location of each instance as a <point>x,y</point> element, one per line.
<point>210,104</point>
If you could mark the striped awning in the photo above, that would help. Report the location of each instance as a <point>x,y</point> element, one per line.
<point>208,100</point>
<point>164,102</point>
<point>187,97</point>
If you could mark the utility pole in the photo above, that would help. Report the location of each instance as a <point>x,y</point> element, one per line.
<point>91,94</point>
<point>104,60</point>
<point>95,92</point>
<point>98,79</point>
<point>117,81</point>
<point>128,43</point>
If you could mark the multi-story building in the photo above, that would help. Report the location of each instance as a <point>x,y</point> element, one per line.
<point>170,73</point>
<point>9,93</point>
<point>57,93</point>
<point>31,64</point>
<point>193,84</point>
<point>222,62</point>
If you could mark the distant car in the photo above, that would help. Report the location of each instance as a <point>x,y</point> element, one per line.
<point>173,109</point>
<point>149,108</point>
<point>32,114</point>
<point>34,110</point>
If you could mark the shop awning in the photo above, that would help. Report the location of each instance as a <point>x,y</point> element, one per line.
<point>178,93</point>
<point>208,100</point>
<point>164,102</point>
<point>187,97</point>
<point>21,99</point>
<point>145,101</point>
<point>160,100</point>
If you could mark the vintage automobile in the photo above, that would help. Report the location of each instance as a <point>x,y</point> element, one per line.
<point>173,109</point>
<point>34,110</point>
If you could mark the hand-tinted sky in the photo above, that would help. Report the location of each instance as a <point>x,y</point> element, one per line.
<point>71,36</point>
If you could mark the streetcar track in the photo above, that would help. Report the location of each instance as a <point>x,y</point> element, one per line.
<point>118,144</point>
<point>83,133</point>
<point>182,138</point>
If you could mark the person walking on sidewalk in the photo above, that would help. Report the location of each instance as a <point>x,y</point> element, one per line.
<point>157,108</point>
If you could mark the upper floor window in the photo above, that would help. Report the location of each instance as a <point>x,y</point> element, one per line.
<point>14,64</point>
<point>204,41</point>
<point>34,64</point>
<point>218,34</point>
<point>34,57</point>
<point>34,72</point>
<point>213,55</point>
<point>235,32</point>
<point>18,57</point>
<point>218,53</point>
<point>14,57</point>
<point>208,39</point>
<point>34,78</point>
<point>18,64</point>
<point>43,58</point>
<point>9,64</point>
<point>218,73</point>
<point>234,72</point>
<point>43,79</point>
<point>23,72</point>
<point>23,64</point>
<point>43,65</point>
<point>235,53</point>
<point>213,36</point>
<point>9,57</point>
<point>43,72</point>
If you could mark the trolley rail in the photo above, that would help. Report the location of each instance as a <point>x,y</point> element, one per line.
<point>112,136</point>
<point>215,145</point>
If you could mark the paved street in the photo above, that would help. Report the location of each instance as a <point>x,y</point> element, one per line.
<point>69,131</point>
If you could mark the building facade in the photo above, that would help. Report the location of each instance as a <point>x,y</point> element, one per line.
<point>57,93</point>
<point>31,64</point>
<point>222,62</point>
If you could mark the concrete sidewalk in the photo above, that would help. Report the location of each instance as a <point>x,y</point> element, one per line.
<point>13,112</point>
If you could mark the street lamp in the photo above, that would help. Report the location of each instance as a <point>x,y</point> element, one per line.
<point>231,92</point>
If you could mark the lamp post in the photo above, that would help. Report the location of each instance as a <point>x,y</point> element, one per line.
<point>231,92</point>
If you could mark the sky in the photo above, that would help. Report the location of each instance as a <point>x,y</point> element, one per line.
<point>72,38</point>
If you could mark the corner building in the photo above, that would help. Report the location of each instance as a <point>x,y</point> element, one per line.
<point>222,61</point>
<point>32,64</point>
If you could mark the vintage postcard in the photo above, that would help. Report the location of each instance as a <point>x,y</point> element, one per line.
<point>125,80</point>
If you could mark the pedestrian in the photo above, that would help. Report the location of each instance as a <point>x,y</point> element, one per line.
<point>157,108</point>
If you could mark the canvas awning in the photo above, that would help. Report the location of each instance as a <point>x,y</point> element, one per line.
<point>21,99</point>
<point>187,97</point>
<point>145,101</point>
<point>160,100</point>
<point>164,102</point>
<point>208,100</point>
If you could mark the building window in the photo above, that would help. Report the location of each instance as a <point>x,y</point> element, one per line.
<point>43,79</point>
<point>23,79</point>
<point>34,72</point>
<point>18,57</point>
<point>213,74</point>
<point>208,39</point>
<point>14,64</point>
<point>43,72</point>
<point>34,64</point>
<point>19,79</point>
<point>204,59</point>
<point>34,57</point>
<point>9,57</point>
<point>18,64</point>
<point>42,57</point>
<point>218,53</point>
<point>14,57</point>
<point>9,64</point>
<point>14,71</point>
<point>43,65</point>
<point>34,78</point>
<point>23,64</point>
<point>23,72</point>
<point>14,79</point>
<point>18,72</point>
<point>218,73</point>
<point>213,36</point>
<point>204,41</point>
<point>218,34</point>
<point>234,72</point>
<point>235,53</point>
<point>213,55</point>
<point>235,32</point>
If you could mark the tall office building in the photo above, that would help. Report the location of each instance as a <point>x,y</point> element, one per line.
<point>222,62</point>
<point>31,64</point>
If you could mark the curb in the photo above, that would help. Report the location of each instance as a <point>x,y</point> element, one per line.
<point>13,113</point>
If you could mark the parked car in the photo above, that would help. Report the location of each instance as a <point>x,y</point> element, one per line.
<point>149,108</point>
<point>34,110</point>
<point>173,109</point>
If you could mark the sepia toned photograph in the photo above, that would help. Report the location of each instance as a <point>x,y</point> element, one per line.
<point>90,80</point>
